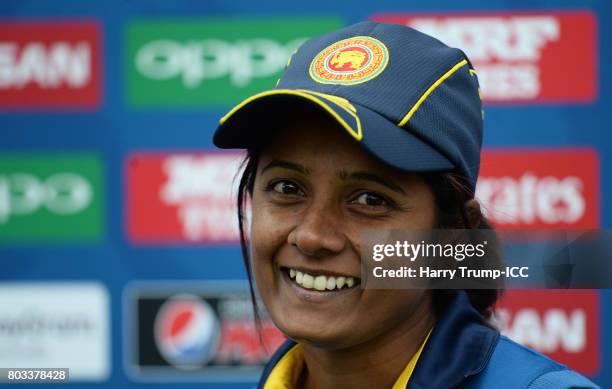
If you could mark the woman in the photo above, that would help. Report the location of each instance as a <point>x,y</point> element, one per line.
<point>375,126</point>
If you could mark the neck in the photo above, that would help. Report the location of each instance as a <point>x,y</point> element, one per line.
<point>376,363</point>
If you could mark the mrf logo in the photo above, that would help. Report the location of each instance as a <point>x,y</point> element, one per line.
<point>49,64</point>
<point>563,324</point>
<point>203,332</point>
<point>181,198</point>
<point>540,189</point>
<point>521,57</point>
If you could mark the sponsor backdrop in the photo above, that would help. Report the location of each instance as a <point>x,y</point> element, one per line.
<point>118,240</point>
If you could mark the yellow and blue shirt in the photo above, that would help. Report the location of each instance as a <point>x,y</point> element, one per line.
<point>287,370</point>
<point>461,352</point>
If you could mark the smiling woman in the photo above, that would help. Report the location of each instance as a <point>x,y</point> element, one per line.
<point>390,141</point>
<point>314,192</point>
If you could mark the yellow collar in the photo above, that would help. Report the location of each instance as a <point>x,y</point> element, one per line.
<point>288,369</point>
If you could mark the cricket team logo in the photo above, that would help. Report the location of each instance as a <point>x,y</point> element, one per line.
<point>350,61</point>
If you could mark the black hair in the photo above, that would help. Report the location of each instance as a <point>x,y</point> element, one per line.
<point>452,194</point>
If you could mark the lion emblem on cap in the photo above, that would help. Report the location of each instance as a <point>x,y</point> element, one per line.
<point>351,59</point>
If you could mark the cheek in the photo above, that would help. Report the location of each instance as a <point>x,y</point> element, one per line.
<point>268,228</point>
<point>422,217</point>
<point>429,210</point>
<point>268,235</point>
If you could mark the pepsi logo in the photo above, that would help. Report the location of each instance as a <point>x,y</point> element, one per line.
<point>187,331</point>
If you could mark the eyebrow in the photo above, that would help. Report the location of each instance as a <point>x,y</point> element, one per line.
<point>286,165</point>
<point>367,176</point>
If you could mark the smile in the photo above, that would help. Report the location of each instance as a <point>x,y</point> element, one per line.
<point>321,282</point>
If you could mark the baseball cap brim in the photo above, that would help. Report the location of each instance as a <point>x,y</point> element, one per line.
<point>243,127</point>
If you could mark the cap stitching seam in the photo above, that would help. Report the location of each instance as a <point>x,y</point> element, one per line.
<point>430,90</point>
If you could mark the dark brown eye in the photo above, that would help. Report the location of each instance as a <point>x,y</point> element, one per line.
<point>370,199</point>
<point>286,187</point>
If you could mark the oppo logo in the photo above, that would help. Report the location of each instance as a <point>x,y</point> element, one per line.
<point>196,61</point>
<point>61,193</point>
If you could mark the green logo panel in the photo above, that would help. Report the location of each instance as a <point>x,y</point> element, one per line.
<point>50,198</point>
<point>211,62</point>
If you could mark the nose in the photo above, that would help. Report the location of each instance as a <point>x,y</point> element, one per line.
<point>318,233</point>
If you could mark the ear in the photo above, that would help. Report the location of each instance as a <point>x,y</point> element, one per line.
<point>474,213</point>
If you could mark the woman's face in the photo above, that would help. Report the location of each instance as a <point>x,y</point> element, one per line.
<point>315,191</point>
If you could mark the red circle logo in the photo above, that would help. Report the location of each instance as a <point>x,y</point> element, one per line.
<point>350,61</point>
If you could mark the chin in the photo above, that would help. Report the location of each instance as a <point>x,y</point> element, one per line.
<point>319,333</point>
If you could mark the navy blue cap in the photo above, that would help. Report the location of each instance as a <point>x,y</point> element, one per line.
<point>409,99</point>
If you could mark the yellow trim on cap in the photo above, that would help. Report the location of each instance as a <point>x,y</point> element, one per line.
<point>430,90</point>
<point>314,97</point>
<point>345,105</point>
<point>339,101</point>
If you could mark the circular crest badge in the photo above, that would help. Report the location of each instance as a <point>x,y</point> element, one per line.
<point>350,61</point>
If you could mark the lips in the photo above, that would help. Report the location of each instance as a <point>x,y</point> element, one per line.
<point>321,282</point>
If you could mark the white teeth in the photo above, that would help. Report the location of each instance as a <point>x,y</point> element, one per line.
<point>321,282</point>
<point>308,281</point>
<point>340,282</point>
<point>350,281</point>
<point>331,283</point>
